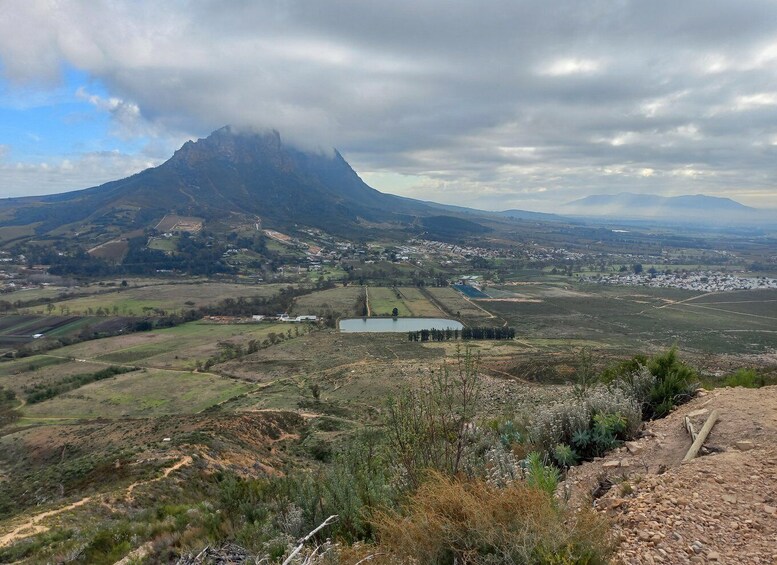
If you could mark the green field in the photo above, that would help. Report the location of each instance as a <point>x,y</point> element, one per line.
<point>142,300</point>
<point>340,300</point>
<point>383,300</point>
<point>173,348</point>
<point>166,244</point>
<point>139,394</point>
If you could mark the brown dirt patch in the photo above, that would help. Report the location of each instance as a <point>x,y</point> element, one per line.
<point>721,507</point>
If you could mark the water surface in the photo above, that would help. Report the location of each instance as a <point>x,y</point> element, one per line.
<point>357,325</point>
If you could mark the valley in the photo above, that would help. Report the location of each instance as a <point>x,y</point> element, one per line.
<point>172,375</point>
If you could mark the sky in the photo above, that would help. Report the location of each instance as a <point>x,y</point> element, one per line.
<point>496,105</point>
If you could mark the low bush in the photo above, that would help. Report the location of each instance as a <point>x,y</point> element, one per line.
<point>450,521</point>
<point>747,378</point>
<point>589,425</point>
<point>658,384</point>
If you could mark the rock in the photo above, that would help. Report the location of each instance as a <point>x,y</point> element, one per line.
<point>745,445</point>
<point>634,447</point>
<point>611,465</point>
<point>730,498</point>
<point>713,556</point>
<point>700,412</point>
<point>770,509</point>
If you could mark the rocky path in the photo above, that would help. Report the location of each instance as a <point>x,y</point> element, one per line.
<point>717,508</point>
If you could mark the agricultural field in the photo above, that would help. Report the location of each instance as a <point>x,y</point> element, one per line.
<point>341,300</point>
<point>456,305</point>
<point>19,330</point>
<point>632,318</point>
<point>173,222</point>
<point>20,375</point>
<point>418,303</point>
<point>172,348</point>
<point>113,251</point>
<point>382,300</point>
<point>44,293</point>
<point>144,300</point>
<point>143,393</point>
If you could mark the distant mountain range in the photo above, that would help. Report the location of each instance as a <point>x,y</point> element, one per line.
<point>626,205</point>
<point>235,176</point>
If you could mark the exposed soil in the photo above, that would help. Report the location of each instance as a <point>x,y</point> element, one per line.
<point>717,508</point>
<point>33,525</point>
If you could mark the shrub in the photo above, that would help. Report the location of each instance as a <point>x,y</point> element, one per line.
<point>451,521</point>
<point>591,425</point>
<point>541,476</point>
<point>658,384</point>
<point>747,378</point>
<point>564,455</point>
<point>432,427</point>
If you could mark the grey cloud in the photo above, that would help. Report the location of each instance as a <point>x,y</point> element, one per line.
<point>503,102</point>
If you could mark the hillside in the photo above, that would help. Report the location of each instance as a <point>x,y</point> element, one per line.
<point>229,172</point>
<point>716,508</point>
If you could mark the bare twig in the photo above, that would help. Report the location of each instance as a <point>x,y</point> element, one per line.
<point>201,553</point>
<point>301,542</point>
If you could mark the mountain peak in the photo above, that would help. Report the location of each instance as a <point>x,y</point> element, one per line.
<point>231,144</point>
<point>234,171</point>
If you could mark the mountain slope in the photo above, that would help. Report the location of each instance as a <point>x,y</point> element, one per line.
<point>228,172</point>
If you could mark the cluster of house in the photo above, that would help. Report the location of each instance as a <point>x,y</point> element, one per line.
<point>702,281</point>
<point>284,318</point>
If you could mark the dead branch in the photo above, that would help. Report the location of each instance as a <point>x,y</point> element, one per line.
<point>301,543</point>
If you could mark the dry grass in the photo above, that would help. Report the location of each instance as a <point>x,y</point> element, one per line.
<point>471,522</point>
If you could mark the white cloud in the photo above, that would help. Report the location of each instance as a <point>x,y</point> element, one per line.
<point>488,102</point>
<point>571,66</point>
<point>87,170</point>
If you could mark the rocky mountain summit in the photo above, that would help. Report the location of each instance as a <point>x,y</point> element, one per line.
<point>717,508</point>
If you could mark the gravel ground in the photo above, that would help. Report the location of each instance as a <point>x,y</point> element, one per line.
<point>717,508</point>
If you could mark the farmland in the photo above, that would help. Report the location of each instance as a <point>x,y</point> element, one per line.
<point>19,330</point>
<point>259,398</point>
<point>143,300</point>
<point>141,393</point>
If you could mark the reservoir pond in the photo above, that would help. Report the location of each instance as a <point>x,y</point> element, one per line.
<point>359,325</point>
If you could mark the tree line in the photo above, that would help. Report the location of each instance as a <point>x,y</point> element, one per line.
<point>477,332</point>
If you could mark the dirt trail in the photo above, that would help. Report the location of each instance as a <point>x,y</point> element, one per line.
<point>716,508</point>
<point>186,460</point>
<point>32,526</point>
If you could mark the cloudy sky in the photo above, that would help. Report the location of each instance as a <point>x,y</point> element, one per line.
<point>496,104</point>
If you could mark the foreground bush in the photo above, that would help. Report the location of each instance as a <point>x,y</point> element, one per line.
<point>470,522</point>
<point>591,425</point>
<point>659,384</point>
